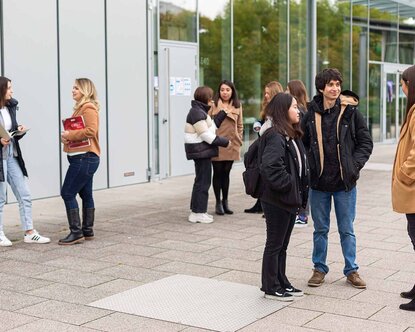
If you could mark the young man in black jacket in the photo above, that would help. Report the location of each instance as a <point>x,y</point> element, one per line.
<point>338,145</point>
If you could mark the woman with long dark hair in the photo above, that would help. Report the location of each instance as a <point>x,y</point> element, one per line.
<point>403,174</point>
<point>226,98</point>
<point>13,169</point>
<point>284,172</point>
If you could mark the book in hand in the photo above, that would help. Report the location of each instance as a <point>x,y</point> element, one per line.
<point>76,123</point>
<point>9,134</point>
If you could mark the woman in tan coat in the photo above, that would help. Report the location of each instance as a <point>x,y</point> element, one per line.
<point>226,98</point>
<point>403,175</point>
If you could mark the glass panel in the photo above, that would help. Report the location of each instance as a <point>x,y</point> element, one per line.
<point>407,47</point>
<point>375,101</point>
<point>178,20</point>
<point>214,42</point>
<point>333,37</point>
<point>298,39</point>
<point>260,49</point>
<point>390,102</point>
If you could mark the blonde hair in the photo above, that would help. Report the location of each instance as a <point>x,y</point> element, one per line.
<point>274,88</point>
<point>89,93</point>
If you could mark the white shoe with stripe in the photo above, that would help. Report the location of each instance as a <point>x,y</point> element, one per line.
<point>35,237</point>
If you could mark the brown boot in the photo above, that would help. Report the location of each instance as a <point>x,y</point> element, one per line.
<point>316,279</point>
<point>357,282</point>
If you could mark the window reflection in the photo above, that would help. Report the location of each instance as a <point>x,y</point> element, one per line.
<point>178,20</point>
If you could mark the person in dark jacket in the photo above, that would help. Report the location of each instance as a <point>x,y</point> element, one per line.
<point>338,144</point>
<point>12,168</point>
<point>284,172</point>
<point>201,144</point>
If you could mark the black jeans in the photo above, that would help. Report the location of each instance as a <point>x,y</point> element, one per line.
<point>411,227</point>
<point>280,224</point>
<point>200,193</point>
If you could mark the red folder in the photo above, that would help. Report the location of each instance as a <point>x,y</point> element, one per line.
<point>76,123</point>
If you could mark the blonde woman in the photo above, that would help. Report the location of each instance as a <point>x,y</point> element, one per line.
<point>83,163</point>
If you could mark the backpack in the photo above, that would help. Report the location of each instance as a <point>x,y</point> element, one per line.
<point>252,175</point>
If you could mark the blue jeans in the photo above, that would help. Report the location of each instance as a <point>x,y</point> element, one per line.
<point>18,182</point>
<point>78,180</point>
<point>345,208</point>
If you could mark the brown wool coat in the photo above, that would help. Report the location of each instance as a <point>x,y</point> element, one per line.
<point>403,174</point>
<point>232,128</point>
<point>91,117</point>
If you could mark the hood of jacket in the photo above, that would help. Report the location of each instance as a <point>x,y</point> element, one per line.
<point>199,104</point>
<point>346,97</point>
<point>267,124</point>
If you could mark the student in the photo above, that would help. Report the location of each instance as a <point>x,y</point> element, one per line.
<point>338,144</point>
<point>201,144</point>
<point>83,163</point>
<point>270,90</point>
<point>296,88</point>
<point>284,172</point>
<point>13,168</point>
<point>226,98</point>
<point>403,174</point>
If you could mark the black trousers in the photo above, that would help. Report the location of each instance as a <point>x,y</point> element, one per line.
<point>200,193</point>
<point>221,171</point>
<point>411,227</point>
<point>280,224</point>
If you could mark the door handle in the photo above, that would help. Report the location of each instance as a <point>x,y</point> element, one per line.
<point>164,120</point>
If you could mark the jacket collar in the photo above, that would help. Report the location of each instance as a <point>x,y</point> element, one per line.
<point>12,102</point>
<point>199,104</point>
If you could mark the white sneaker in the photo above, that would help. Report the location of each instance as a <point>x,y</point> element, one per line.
<point>203,218</point>
<point>4,241</point>
<point>35,237</point>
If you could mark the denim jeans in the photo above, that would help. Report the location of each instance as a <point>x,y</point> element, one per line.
<point>200,193</point>
<point>280,224</point>
<point>345,208</point>
<point>18,182</point>
<point>78,180</point>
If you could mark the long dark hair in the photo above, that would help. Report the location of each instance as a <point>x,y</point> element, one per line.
<point>234,98</point>
<point>408,76</point>
<point>277,110</point>
<point>4,82</point>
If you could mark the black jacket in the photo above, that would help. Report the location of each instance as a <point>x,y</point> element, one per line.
<point>200,140</point>
<point>354,143</point>
<point>12,107</point>
<point>283,186</point>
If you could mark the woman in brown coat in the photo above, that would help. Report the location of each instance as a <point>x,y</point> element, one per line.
<point>226,98</point>
<point>403,175</point>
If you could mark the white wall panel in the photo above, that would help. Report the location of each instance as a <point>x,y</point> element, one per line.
<point>30,59</point>
<point>82,54</point>
<point>127,91</point>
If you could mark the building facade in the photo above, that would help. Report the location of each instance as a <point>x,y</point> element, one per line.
<point>147,57</point>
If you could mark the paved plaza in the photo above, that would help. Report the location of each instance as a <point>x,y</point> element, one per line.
<point>142,236</point>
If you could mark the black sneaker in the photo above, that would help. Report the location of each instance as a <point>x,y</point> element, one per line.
<point>301,221</point>
<point>284,296</point>
<point>294,291</point>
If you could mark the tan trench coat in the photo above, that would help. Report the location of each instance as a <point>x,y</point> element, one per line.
<point>232,128</point>
<point>403,174</point>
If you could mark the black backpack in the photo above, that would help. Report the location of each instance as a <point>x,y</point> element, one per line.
<point>252,175</point>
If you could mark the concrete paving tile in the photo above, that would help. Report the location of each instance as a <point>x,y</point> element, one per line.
<point>194,329</point>
<point>330,322</point>
<point>12,300</point>
<point>394,315</point>
<point>241,277</point>
<point>258,229</point>
<point>64,312</point>
<point>367,271</point>
<point>121,322</point>
<point>136,240</point>
<point>191,269</point>
<point>46,325</point>
<point>134,260</point>
<point>188,257</point>
<point>133,273</point>
<point>115,286</point>
<point>76,278</point>
<point>235,253</point>
<point>238,265</point>
<point>391,264</point>
<point>170,235</point>
<point>381,245</point>
<point>10,320</point>
<point>337,306</point>
<point>229,243</point>
<point>400,256</point>
<point>379,297</point>
<point>216,232</point>
<point>338,290</point>
<point>131,249</point>
<point>24,268</point>
<point>80,264</point>
<point>388,286</point>
<point>402,276</point>
<point>277,327</point>
<point>19,283</point>
<point>27,255</point>
<point>183,246</point>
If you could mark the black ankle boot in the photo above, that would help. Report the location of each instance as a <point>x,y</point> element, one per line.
<point>257,208</point>
<point>226,207</point>
<point>408,306</point>
<point>409,295</point>
<point>75,235</point>
<point>219,208</point>
<point>88,217</point>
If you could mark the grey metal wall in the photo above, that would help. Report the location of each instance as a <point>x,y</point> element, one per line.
<point>49,43</point>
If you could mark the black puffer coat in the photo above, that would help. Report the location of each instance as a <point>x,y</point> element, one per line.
<point>12,107</point>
